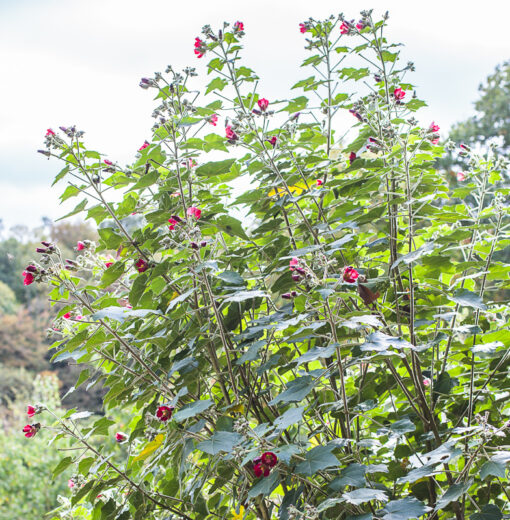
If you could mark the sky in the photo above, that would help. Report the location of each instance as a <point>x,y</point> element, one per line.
<point>68,62</point>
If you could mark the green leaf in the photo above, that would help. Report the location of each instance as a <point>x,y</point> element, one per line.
<point>453,493</point>
<point>496,469</point>
<point>363,495</point>
<point>214,168</point>
<point>415,255</point>
<point>62,466</point>
<point>404,509</point>
<point>296,104</point>
<point>137,289</point>
<point>191,409</point>
<point>296,391</point>
<point>112,273</point>
<point>230,225</point>
<point>489,512</point>
<point>231,277</point>
<point>147,180</point>
<point>317,459</point>
<point>468,299</point>
<point>426,470</point>
<point>241,296</point>
<point>78,209</point>
<point>265,486</point>
<point>102,426</point>
<point>291,416</point>
<point>317,353</point>
<point>216,84</point>
<point>220,441</point>
<point>353,475</point>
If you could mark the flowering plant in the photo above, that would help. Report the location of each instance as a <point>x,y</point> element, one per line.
<point>329,344</point>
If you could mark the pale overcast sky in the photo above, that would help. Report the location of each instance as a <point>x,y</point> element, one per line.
<point>79,62</point>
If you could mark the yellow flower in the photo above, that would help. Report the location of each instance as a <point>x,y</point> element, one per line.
<point>238,516</point>
<point>297,189</point>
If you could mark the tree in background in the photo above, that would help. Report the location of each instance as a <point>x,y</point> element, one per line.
<point>492,120</point>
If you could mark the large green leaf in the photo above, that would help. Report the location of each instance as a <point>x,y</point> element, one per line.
<point>318,458</point>
<point>220,441</point>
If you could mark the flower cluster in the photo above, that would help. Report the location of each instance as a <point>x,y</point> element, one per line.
<point>262,465</point>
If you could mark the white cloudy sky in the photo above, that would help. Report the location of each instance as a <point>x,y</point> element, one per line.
<point>79,62</point>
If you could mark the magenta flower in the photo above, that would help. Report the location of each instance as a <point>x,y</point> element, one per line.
<point>294,262</point>
<point>28,278</point>
<point>426,381</point>
<point>108,264</point>
<point>269,459</point>
<point>230,134</point>
<point>360,26</point>
<point>80,246</point>
<point>319,182</point>
<point>461,176</point>
<point>350,274</point>
<point>49,132</point>
<point>70,483</point>
<point>164,413</point>
<point>302,28</point>
<point>272,141</point>
<point>173,223</point>
<point>352,157</point>
<point>199,47</point>
<point>213,119</point>
<point>120,437</point>
<point>193,211</point>
<point>67,316</point>
<point>263,103</point>
<point>30,430</point>
<point>30,411</point>
<point>239,26</point>
<point>344,28</point>
<point>144,146</point>
<point>399,94</point>
<point>435,140</point>
<point>433,127</point>
<point>108,162</point>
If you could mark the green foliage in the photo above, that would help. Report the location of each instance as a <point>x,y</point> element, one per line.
<point>8,303</point>
<point>354,327</point>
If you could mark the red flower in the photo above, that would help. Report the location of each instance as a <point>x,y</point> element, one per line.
<point>80,246</point>
<point>433,127</point>
<point>350,274</point>
<point>344,28</point>
<point>269,459</point>
<point>164,413</point>
<point>294,261</point>
<point>173,223</point>
<point>272,141</point>
<point>360,26</point>
<point>141,265</point>
<point>435,140</point>
<point>70,483</point>
<point>465,147</point>
<point>230,134</point>
<point>30,411</point>
<point>144,146</point>
<point>28,278</point>
<point>352,157</point>
<point>108,163</point>
<point>108,264</point>
<point>261,469</point>
<point>357,115</point>
<point>199,47</point>
<point>302,28</point>
<point>399,94</point>
<point>461,176</point>
<point>31,429</point>
<point>67,316</point>
<point>120,437</point>
<point>263,103</point>
<point>49,132</point>
<point>426,381</point>
<point>319,182</point>
<point>213,119</point>
<point>239,26</point>
<point>193,211</point>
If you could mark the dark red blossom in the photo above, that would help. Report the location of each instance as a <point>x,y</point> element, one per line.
<point>108,163</point>
<point>302,28</point>
<point>141,265</point>
<point>28,278</point>
<point>269,458</point>
<point>164,413</point>
<point>80,246</point>
<point>30,411</point>
<point>173,223</point>
<point>344,28</point>
<point>352,157</point>
<point>239,26</point>
<point>357,115</point>
<point>350,274</point>
<point>261,469</point>
<point>108,264</point>
<point>319,182</point>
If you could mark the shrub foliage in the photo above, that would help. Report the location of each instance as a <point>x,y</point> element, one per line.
<point>330,343</point>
